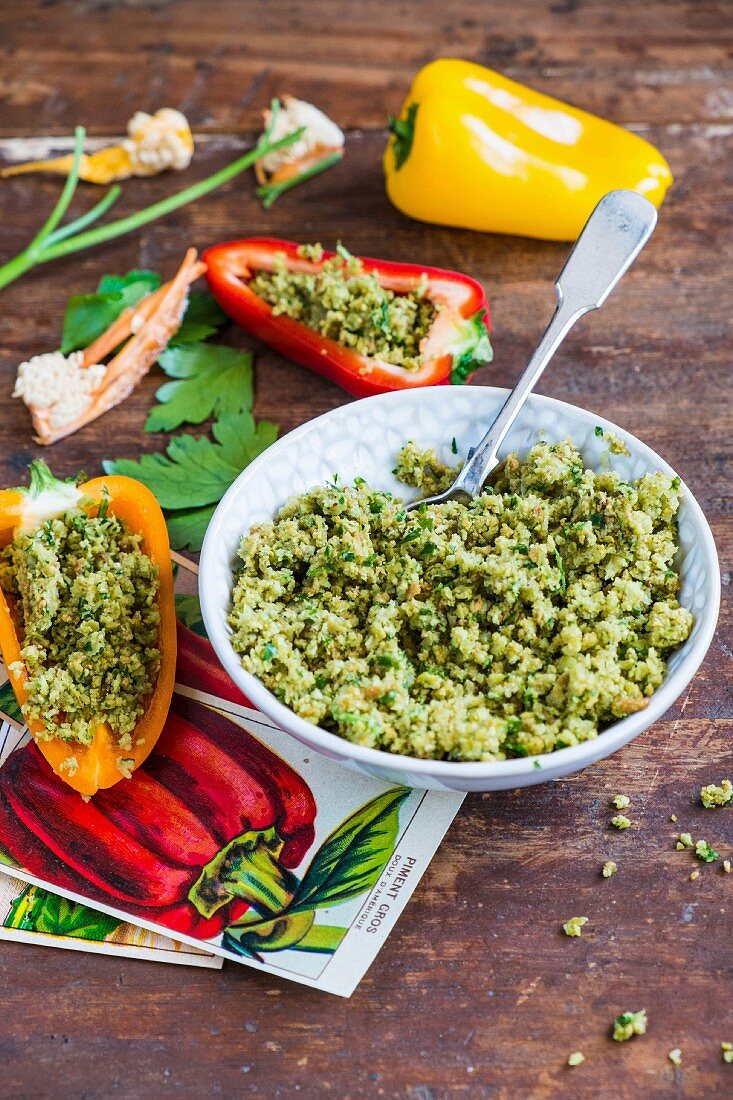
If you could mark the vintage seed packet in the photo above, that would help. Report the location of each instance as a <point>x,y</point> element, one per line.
<point>32,914</point>
<point>271,855</point>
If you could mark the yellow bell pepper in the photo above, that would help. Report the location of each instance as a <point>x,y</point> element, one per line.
<point>474,149</point>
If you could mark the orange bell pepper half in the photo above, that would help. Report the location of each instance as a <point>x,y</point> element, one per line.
<point>134,504</point>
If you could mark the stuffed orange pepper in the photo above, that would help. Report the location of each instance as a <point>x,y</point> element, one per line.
<point>87,621</point>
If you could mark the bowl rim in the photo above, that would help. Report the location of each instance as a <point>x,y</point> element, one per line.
<point>563,761</point>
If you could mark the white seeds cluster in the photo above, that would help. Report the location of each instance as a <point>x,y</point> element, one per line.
<point>158,142</point>
<point>57,385</point>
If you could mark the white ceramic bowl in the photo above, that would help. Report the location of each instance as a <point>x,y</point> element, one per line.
<point>362,439</point>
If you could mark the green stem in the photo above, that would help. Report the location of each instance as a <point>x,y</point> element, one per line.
<point>16,267</point>
<point>403,131</point>
<point>249,868</point>
<point>165,206</point>
<point>92,215</point>
<point>47,245</point>
<point>66,195</point>
<point>286,931</point>
<point>323,939</point>
<point>24,909</point>
<point>269,192</point>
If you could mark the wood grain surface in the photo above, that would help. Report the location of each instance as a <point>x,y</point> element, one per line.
<point>477,993</point>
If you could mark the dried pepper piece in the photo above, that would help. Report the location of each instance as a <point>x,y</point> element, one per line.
<point>65,393</point>
<point>320,145</point>
<point>154,143</point>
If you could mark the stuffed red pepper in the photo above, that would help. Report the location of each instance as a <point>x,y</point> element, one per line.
<point>368,325</point>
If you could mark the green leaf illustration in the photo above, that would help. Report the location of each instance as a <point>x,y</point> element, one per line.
<point>37,910</point>
<point>254,936</point>
<point>350,860</point>
<point>9,704</point>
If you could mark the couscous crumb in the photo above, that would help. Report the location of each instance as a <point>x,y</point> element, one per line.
<point>574,926</point>
<point>629,1024</point>
<point>706,852</point>
<point>712,795</point>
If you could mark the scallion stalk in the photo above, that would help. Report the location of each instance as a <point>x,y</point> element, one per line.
<point>51,242</point>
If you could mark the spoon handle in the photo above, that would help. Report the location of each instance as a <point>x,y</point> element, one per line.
<point>612,238</point>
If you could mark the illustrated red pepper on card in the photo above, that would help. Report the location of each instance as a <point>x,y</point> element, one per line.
<point>455,320</point>
<point>198,667</point>
<point>203,839</point>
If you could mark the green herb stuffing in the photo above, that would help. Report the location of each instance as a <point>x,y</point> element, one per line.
<point>86,594</point>
<point>510,626</point>
<point>347,304</point>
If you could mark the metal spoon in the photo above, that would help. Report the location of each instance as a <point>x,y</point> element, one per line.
<point>612,238</point>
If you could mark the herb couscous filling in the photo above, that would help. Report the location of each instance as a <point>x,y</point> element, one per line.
<point>86,596</point>
<point>517,624</point>
<point>347,304</point>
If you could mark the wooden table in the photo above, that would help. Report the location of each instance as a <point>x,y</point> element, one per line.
<point>477,993</point>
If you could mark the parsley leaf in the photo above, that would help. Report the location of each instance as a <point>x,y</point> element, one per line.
<point>188,612</point>
<point>195,472</point>
<point>120,284</point>
<point>88,315</point>
<point>186,528</point>
<point>210,380</point>
<point>202,318</point>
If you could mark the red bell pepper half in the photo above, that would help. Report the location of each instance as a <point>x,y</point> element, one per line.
<point>456,345</point>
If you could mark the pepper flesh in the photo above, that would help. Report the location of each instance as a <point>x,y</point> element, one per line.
<point>137,508</point>
<point>213,784</point>
<point>474,149</point>
<point>456,345</point>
